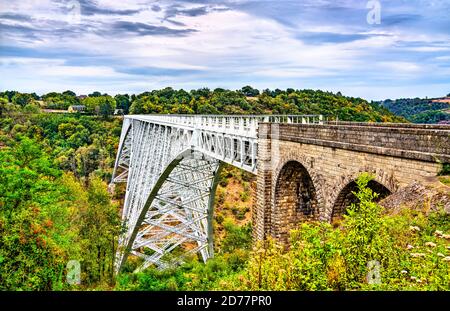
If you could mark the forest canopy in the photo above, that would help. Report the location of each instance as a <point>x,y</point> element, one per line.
<point>218,101</point>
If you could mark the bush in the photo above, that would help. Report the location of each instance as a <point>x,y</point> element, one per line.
<point>445,170</point>
<point>244,196</point>
<point>404,252</point>
<point>236,237</point>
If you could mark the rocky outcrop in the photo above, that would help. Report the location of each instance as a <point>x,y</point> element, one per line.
<point>417,196</point>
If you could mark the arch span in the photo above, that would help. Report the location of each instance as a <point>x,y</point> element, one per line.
<point>169,186</point>
<point>177,213</point>
<point>295,199</point>
<point>346,196</point>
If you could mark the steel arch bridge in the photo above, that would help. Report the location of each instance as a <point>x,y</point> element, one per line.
<point>170,164</point>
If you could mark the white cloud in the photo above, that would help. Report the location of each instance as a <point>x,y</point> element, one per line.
<point>401,67</point>
<point>228,48</point>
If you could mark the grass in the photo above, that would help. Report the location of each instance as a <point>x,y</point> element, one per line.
<point>445,180</point>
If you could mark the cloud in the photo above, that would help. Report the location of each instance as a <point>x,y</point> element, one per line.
<point>91,7</point>
<point>143,29</point>
<point>330,37</point>
<point>158,71</point>
<point>176,10</point>
<point>16,17</point>
<point>136,45</point>
<point>397,19</point>
<point>156,8</point>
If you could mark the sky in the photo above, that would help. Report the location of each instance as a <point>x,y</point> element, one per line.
<point>370,49</point>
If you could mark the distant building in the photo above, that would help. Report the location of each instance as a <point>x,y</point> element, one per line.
<point>82,97</point>
<point>118,112</point>
<point>76,108</point>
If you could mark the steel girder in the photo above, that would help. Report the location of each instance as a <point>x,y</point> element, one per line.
<point>168,198</point>
<point>170,164</point>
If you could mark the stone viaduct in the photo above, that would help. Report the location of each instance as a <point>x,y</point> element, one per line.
<point>309,171</point>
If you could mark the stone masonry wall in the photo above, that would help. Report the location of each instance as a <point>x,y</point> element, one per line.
<point>334,156</point>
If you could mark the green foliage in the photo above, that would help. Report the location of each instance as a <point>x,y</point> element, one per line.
<point>220,101</point>
<point>302,268</point>
<point>48,216</point>
<point>62,101</point>
<point>3,103</point>
<point>35,239</point>
<point>250,101</point>
<point>418,110</point>
<point>410,249</point>
<point>445,180</point>
<point>79,144</point>
<point>445,170</point>
<point>362,225</point>
<point>54,205</point>
<point>99,219</point>
<point>237,237</point>
<point>95,94</point>
<point>31,108</point>
<point>100,105</point>
<point>23,99</point>
<point>123,102</point>
<point>249,91</point>
<point>8,95</point>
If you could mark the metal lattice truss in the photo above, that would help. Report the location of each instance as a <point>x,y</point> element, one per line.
<point>170,164</point>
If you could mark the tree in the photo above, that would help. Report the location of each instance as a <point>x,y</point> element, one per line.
<point>62,101</point>
<point>100,225</point>
<point>22,99</point>
<point>123,102</point>
<point>34,240</point>
<point>267,92</point>
<point>204,92</point>
<point>249,91</point>
<point>205,108</point>
<point>101,105</point>
<point>106,106</point>
<point>31,108</point>
<point>167,92</point>
<point>182,109</point>
<point>95,94</point>
<point>9,95</point>
<point>3,103</point>
<point>87,160</point>
<point>362,224</point>
<point>70,93</point>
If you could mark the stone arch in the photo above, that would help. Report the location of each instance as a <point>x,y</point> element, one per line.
<point>308,163</point>
<point>295,198</point>
<point>342,196</point>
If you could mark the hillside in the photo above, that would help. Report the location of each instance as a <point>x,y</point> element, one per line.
<point>55,207</point>
<point>205,101</point>
<point>418,110</point>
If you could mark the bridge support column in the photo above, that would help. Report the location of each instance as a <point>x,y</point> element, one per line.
<point>262,214</point>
